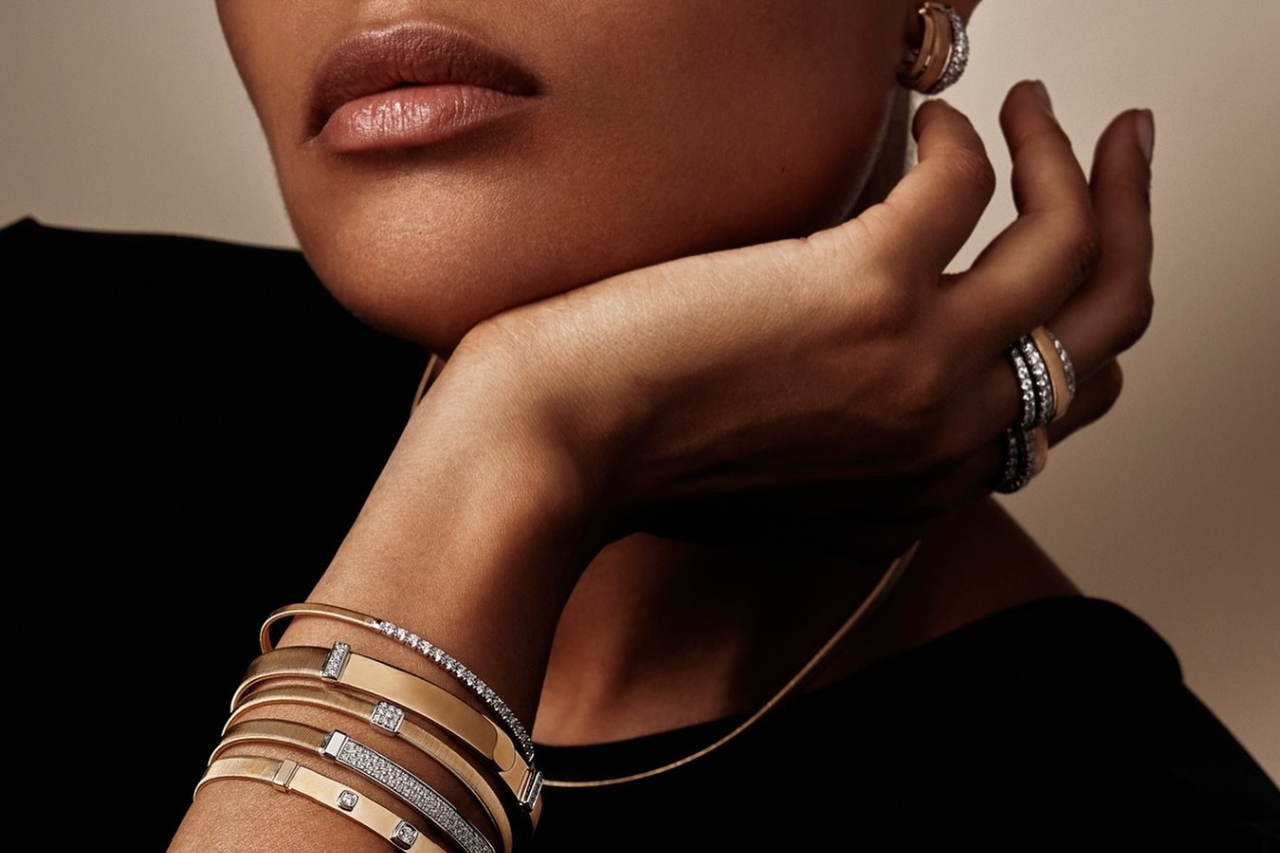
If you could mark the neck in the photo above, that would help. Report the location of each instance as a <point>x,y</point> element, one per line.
<point>662,634</point>
<point>721,628</point>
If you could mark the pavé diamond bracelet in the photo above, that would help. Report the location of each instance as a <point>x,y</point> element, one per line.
<point>431,652</point>
<point>338,747</point>
<point>339,665</point>
<point>390,720</point>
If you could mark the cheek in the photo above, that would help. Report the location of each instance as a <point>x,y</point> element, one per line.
<point>440,246</point>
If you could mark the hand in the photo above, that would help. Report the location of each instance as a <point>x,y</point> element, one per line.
<point>789,388</point>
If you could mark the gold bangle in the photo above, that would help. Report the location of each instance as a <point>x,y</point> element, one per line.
<point>340,748</point>
<point>390,720</point>
<point>291,777</point>
<point>329,611</point>
<point>339,665</point>
<point>428,650</point>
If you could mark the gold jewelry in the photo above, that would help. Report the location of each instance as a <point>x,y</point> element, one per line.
<point>435,364</point>
<point>340,665</point>
<point>433,653</point>
<point>342,749</point>
<point>797,683</point>
<point>291,777</point>
<point>943,52</point>
<point>1040,449</point>
<point>391,720</point>
<point>1055,362</point>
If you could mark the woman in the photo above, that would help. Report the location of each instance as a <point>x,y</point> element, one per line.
<point>621,441</point>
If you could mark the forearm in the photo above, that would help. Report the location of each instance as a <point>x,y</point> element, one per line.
<point>472,537</point>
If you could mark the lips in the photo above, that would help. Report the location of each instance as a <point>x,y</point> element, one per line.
<point>412,85</point>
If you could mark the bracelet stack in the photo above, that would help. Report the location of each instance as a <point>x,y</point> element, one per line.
<point>1046,385</point>
<point>487,752</point>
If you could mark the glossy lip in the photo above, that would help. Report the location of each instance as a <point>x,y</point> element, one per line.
<point>411,85</point>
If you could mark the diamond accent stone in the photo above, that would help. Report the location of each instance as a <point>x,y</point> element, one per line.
<point>466,677</point>
<point>405,835</point>
<point>415,792</point>
<point>387,716</point>
<point>347,800</point>
<point>1040,376</point>
<point>1067,366</point>
<point>336,662</point>
<point>532,790</point>
<point>958,59</point>
<point>1025,385</point>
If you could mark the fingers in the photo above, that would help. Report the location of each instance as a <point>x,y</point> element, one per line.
<point>932,211</point>
<point>1112,310</point>
<point>1031,268</point>
<point>1094,398</point>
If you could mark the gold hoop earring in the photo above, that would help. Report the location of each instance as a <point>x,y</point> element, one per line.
<point>943,52</point>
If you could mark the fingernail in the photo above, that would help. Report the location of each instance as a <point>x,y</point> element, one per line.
<point>1042,95</point>
<point>1147,133</point>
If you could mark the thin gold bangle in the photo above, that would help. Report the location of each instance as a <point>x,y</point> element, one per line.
<point>372,677</point>
<point>427,649</point>
<point>390,720</point>
<point>339,665</point>
<point>344,750</point>
<point>291,777</point>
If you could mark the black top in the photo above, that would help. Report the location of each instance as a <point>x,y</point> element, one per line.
<point>198,425</point>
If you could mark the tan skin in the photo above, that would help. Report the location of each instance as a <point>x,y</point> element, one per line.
<point>636,470</point>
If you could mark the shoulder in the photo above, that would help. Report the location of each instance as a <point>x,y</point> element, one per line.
<point>168,310</point>
<point>197,424</point>
<point>85,271</point>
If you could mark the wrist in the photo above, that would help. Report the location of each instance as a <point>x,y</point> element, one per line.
<point>473,536</point>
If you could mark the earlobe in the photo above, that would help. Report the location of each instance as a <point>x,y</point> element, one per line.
<point>964,8</point>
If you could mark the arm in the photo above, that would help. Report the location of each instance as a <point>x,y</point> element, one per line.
<point>556,426</point>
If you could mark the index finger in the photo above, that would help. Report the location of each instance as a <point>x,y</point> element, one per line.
<point>933,210</point>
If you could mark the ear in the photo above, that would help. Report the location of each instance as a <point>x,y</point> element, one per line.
<point>964,8</point>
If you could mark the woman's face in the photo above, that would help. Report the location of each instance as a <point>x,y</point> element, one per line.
<point>442,160</point>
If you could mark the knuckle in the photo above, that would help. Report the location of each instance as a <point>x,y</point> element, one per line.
<point>1111,378</point>
<point>1098,396</point>
<point>1143,308</point>
<point>1084,237</point>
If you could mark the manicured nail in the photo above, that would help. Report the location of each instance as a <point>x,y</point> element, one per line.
<point>1042,95</point>
<point>1147,133</point>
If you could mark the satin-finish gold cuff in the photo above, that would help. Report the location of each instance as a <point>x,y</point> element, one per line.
<point>422,646</point>
<point>291,777</point>
<point>339,665</point>
<point>391,720</point>
<point>338,747</point>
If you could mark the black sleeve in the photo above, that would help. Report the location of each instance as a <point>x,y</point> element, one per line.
<point>198,424</point>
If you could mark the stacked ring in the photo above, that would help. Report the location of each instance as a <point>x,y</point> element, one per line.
<point>1046,399</point>
<point>1056,361</point>
<point>1025,453</point>
<point>1046,386</point>
<point>1026,387</point>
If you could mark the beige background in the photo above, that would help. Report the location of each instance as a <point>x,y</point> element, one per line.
<point>128,115</point>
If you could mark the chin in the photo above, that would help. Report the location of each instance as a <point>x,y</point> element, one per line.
<point>427,259</point>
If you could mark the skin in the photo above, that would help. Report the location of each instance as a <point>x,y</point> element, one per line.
<point>619,465</point>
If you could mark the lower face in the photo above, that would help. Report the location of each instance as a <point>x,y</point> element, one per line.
<point>632,133</point>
